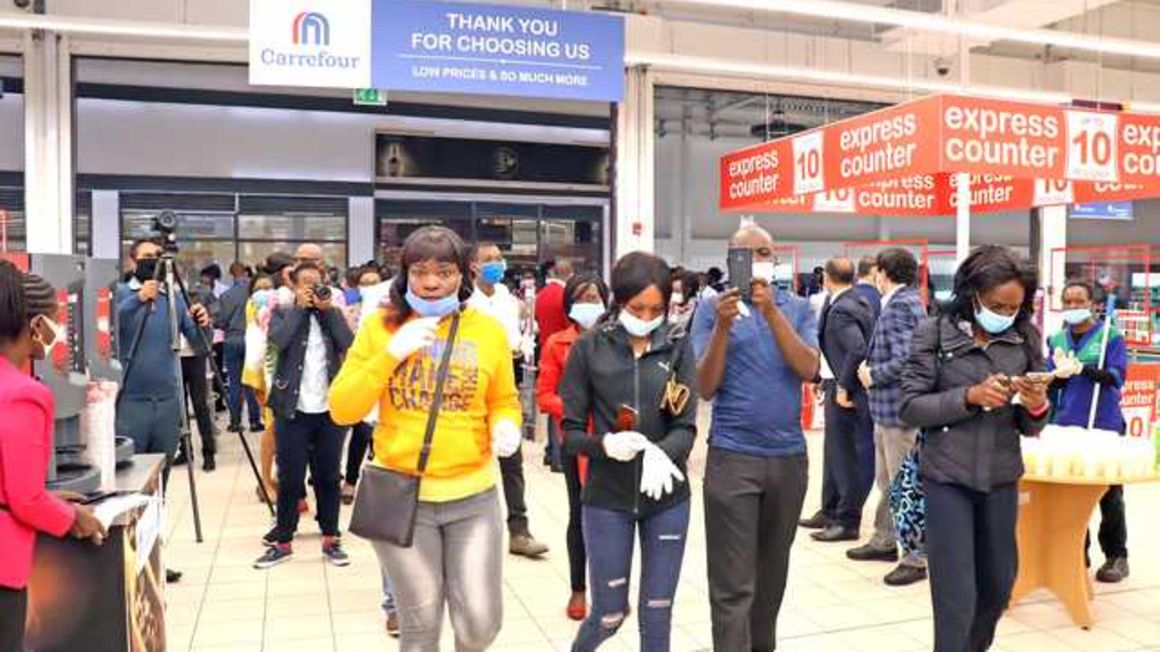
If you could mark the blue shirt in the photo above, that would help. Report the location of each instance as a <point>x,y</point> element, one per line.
<point>757,409</point>
<point>154,373</point>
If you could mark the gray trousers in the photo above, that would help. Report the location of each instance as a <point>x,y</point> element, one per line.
<point>154,425</point>
<point>752,506</point>
<point>456,559</point>
<point>890,448</point>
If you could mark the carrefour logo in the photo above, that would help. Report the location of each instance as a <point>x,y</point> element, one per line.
<point>311,28</point>
<point>310,38</point>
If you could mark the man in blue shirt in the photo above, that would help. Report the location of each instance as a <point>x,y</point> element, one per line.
<point>149,410</point>
<point>1082,339</point>
<point>752,358</point>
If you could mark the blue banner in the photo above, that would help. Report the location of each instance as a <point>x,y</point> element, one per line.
<point>1103,210</point>
<point>444,47</point>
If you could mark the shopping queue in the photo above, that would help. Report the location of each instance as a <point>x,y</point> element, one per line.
<point>432,378</point>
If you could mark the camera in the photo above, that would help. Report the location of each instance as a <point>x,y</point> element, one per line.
<point>321,292</point>
<point>165,225</point>
<point>943,66</point>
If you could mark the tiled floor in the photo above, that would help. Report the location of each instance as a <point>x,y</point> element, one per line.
<point>831,604</point>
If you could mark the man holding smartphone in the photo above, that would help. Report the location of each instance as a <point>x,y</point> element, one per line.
<point>753,355</point>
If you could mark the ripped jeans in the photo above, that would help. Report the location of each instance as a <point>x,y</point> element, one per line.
<point>608,538</point>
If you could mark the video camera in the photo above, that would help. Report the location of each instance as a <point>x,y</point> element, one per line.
<point>165,224</point>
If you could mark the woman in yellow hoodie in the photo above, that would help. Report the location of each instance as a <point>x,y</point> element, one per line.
<point>457,553</point>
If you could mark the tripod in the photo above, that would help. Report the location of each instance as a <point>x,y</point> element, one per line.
<point>168,276</point>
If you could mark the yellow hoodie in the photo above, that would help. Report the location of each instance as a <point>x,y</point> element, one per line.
<point>480,391</point>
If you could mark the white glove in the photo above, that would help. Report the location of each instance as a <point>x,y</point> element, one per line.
<point>412,336</point>
<point>658,473</point>
<point>505,438</point>
<point>1066,364</point>
<point>624,446</point>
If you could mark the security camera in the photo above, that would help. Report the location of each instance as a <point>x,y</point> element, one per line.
<point>22,4</point>
<point>942,66</point>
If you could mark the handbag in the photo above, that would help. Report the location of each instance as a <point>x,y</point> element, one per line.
<point>387,500</point>
<point>908,501</point>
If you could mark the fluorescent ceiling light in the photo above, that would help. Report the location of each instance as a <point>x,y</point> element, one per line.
<point>744,70</point>
<point>105,27</point>
<point>935,22</point>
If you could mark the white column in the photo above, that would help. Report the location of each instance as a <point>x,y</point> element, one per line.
<point>1052,235</point>
<point>106,224</point>
<point>360,232</point>
<point>48,148</point>
<point>962,216</point>
<point>634,165</point>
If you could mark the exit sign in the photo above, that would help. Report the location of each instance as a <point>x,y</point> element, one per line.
<point>370,97</point>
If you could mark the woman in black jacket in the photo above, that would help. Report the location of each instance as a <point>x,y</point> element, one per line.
<point>633,375</point>
<point>966,386</point>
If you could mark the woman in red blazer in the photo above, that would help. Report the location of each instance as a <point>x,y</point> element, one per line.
<point>585,301</point>
<point>27,332</point>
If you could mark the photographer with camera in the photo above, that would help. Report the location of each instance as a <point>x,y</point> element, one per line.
<point>149,410</point>
<point>311,338</point>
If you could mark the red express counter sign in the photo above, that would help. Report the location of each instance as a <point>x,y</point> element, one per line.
<point>902,160</point>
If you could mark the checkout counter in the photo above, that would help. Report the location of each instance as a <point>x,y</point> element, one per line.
<point>84,598</point>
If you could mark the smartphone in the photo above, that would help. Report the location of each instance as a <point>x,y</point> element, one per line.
<point>1039,377</point>
<point>740,262</point>
<point>626,418</point>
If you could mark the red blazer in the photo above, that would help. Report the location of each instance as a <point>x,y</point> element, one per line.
<point>553,357</point>
<point>550,315</point>
<point>26,506</point>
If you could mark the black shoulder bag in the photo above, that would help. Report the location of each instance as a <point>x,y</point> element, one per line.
<point>387,500</point>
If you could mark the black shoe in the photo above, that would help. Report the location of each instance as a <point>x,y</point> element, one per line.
<point>818,521</point>
<point>256,427</point>
<point>208,464</point>
<point>234,427</point>
<point>870,553</point>
<point>1113,571</point>
<point>180,459</point>
<point>904,575</point>
<point>172,576</point>
<point>835,533</point>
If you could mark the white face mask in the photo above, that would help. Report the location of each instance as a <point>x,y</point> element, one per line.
<point>677,298</point>
<point>638,327</point>
<point>764,270</point>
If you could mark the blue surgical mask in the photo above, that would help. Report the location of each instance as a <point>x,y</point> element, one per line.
<point>638,327</point>
<point>991,321</point>
<point>1076,316</point>
<point>492,273</point>
<point>433,307</point>
<point>586,314</point>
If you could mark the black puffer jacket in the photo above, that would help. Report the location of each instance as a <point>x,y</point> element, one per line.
<point>966,445</point>
<point>601,375</point>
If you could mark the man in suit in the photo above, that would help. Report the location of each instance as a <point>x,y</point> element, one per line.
<point>866,286</point>
<point>844,330</point>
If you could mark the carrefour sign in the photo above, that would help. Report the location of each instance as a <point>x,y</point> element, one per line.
<point>324,43</point>
<point>446,47</point>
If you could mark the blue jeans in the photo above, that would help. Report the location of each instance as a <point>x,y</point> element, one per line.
<point>609,536</point>
<point>235,358</point>
<point>388,593</point>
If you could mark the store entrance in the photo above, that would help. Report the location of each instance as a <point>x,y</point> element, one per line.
<point>528,232</point>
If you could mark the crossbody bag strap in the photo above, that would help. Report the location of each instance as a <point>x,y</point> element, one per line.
<point>437,398</point>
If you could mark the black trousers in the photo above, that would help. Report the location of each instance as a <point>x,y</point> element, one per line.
<point>314,441</point>
<point>193,370</point>
<point>356,450</point>
<point>845,482</point>
<point>13,612</point>
<point>577,557</point>
<point>219,358</point>
<point>752,505</point>
<point>511,470</point>
<point>973,561</point>
<point>1113,525</point>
